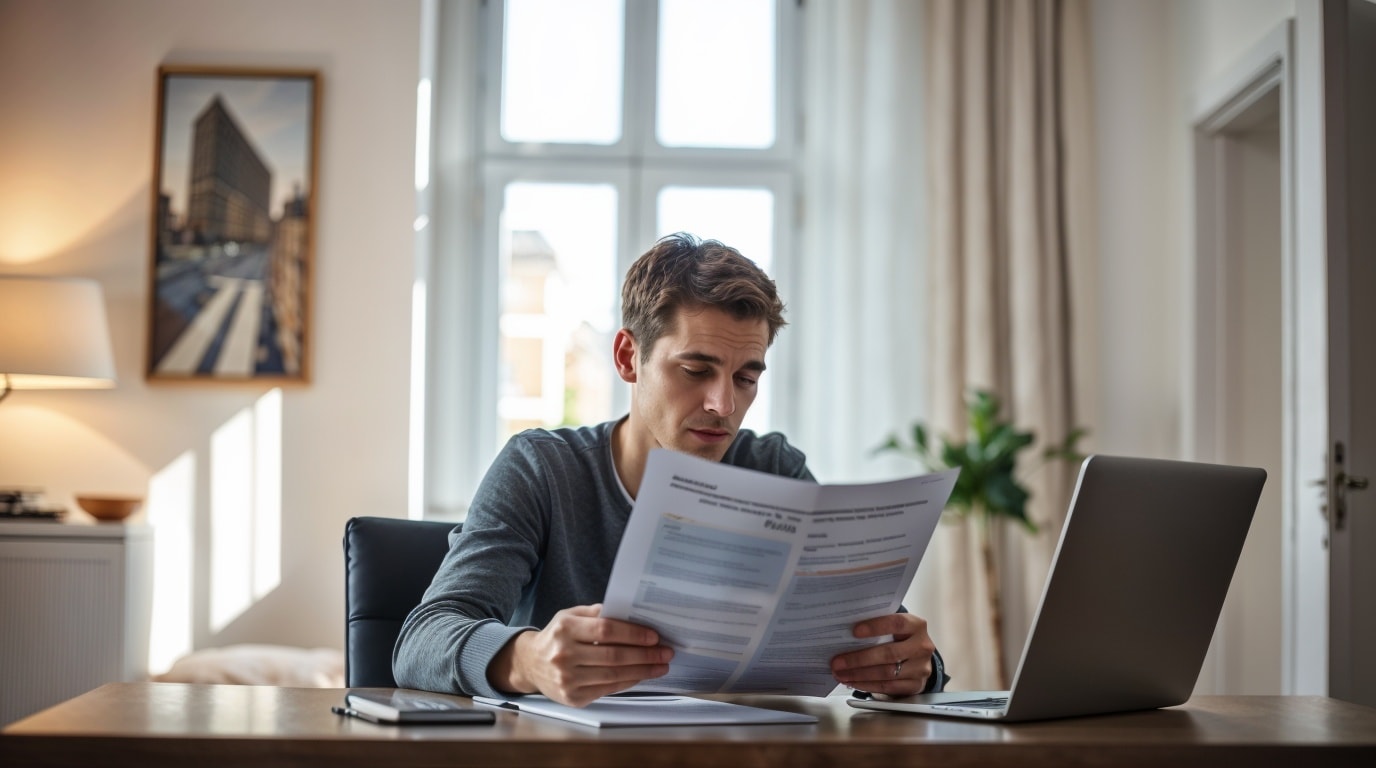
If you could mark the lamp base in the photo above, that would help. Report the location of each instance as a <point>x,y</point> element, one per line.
<point>27,504</point>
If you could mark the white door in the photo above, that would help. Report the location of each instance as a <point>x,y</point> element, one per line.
<point>1349,44</point>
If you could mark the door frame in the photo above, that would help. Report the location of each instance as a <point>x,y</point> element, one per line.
<point>1267,67</point>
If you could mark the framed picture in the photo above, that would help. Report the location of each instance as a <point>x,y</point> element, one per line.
<point>233,231</point>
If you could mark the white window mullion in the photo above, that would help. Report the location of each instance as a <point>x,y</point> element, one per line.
<point>494,18</point>
<point>641,18</point>
<point>632,235</point>
<point>487,316</point>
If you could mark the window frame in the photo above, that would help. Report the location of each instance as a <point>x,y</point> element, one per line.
<point>639,95</point>
<point>463,393</point>
<point>497,173</point>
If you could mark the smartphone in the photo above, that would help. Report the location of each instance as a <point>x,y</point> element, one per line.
<point>403,706</point>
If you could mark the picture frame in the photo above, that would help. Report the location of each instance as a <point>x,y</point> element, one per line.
<point>236,159</point>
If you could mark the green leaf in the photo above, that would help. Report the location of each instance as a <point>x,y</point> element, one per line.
<point>1067,449</point>
<point>983,407</point>
<point>1003,494</point>
<point>953,455</point>
<point>890,444</point>
<point>987,459</point>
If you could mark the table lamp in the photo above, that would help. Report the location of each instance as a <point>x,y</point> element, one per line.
<point>53,335</point>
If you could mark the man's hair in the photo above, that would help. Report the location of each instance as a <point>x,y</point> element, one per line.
<point>681,271</point>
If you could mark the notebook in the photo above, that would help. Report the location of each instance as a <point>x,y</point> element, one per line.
<point>1135,590</point>
<point>649,710</point>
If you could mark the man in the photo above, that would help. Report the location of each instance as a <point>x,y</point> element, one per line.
<point>513,606</point>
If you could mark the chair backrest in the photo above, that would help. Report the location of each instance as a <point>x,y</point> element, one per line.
<point>388,564</point>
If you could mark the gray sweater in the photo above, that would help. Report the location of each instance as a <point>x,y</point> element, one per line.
<point>541,536</point>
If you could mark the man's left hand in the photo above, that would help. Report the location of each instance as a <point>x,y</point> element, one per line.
<point>899,668</point>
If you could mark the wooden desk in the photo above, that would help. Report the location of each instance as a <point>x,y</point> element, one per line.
<point>153,724</point>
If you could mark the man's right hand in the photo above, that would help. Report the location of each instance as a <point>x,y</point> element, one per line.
<point>580,656</point>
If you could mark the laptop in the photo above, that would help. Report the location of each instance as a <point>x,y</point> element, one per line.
<point>1135,590</point>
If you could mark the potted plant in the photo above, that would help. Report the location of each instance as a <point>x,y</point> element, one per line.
<point>988,488</point>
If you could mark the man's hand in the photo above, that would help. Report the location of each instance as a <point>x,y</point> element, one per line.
<point>899,668</point>
<point>579,657</point>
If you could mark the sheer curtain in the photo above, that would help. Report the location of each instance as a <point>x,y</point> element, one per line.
<point>858,304</point>
<point>858,278</point>
<point>1008,121</point>
<point>947,216</point>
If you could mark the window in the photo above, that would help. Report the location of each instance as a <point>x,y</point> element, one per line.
<point>606,124</point>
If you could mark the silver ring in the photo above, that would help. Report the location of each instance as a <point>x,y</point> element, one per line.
<point>898,667</point>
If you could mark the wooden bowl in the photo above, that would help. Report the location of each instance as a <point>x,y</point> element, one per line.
<point>109,508</point>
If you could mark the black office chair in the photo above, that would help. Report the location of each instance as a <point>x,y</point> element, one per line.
<point>388,564</point>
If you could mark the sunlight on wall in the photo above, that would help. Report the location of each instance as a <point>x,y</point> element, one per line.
<point>267,507</point>
<point>231,519</point>
<point>171,499</point>
<point>245,509</point>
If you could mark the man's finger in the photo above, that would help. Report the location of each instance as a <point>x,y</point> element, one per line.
<point>877,656</point>
<point>628,656</point>
<point>900,687</point>
<point>584,624</point>
<point>615,632</point>
<point>593,682</point>
<point>901,680</point>
<point>625,675</point>
<point>898,624</point>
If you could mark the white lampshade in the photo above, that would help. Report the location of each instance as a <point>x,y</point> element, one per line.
<point>53,334</point>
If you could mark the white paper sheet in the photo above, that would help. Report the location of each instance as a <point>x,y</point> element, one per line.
<point>614,711</point>
<point>756,580</point>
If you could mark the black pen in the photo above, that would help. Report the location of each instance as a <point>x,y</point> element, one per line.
<point>355,713</point>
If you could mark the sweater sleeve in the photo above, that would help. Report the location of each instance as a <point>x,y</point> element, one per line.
<point>448,641</point>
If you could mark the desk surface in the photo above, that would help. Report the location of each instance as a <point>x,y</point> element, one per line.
<point>150,724</point>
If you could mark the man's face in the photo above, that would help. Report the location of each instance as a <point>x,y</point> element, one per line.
<point>692,393</point>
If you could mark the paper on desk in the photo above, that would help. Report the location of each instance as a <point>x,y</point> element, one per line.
<point>756,580</point>
<point>616,711</point>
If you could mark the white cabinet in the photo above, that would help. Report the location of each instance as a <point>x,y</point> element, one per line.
<point>75,606</point>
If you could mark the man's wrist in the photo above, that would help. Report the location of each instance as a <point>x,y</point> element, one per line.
<point>505,672</point>
<point>938,679</point>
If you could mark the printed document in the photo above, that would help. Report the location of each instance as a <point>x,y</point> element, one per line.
<point>756,580</point>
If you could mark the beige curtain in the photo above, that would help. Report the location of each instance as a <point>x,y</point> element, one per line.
<point>1008,129</point>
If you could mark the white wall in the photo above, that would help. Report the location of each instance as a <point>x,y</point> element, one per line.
<point>78,86</point>
<point>1140,303</point>
<point>1152,63</point>
<point>1214,34</point>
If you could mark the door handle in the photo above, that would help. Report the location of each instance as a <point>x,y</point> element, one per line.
<point>1342,483</point>
<point>1322,485</point>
